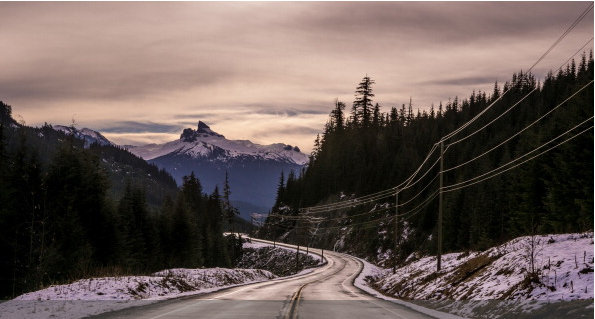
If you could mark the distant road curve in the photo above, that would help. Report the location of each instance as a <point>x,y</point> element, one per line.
<point>327,292</point>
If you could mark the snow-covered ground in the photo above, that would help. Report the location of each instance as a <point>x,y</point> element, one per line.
<point>279,260</point>
<point>93,296</point>
<point>256,245</point>
<point>469,283</point>
<point>97,295</point>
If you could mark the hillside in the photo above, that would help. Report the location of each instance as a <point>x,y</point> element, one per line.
<point>75,206</point>
<point>526,274</point>
<point>120,165</point>
<point>489,197</point>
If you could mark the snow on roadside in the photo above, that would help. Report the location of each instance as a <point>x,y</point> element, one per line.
<point>564,264</point>
<point>88,297</point>
<point>258,244</point>
<point>280,260</point>
<point>97,295</point>
<point>498,280</point>
<point>370,273</point>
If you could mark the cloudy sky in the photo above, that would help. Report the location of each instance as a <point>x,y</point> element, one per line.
<point>268,72</point>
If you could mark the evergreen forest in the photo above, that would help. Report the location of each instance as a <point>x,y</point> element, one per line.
<point>365,151</point>
<point>69,212</point>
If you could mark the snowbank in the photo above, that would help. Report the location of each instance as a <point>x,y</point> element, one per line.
<point>483,284</point>
<point>97,295</point>
<point>279,260</point>
<point>371,272</point>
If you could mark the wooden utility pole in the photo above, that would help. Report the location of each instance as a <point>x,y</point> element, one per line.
<point>439,256</point>
<point>396,228</point>
<point>297,253</point>
<point>396,219</point>
<point>251,225</point>
<point>297,259</point>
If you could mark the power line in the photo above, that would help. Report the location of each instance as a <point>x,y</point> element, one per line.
<point>574,24</point>
<point>579,50</point>
<point>517,103</point>
<point>334,227</point>
<point>408,182</point>
<point>479,177</point>
<point>352,203</point>
<point>422,205</point>
<point>420,192</point>
<point>560,38</point>
<point>494,120</point>
<point>521,131</point>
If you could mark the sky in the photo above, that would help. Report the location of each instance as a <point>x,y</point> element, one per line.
<point>141,72</point>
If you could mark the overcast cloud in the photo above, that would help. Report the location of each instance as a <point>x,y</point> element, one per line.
<point>268,72</point>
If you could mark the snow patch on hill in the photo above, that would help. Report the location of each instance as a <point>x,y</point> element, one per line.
<point>88,135</point>
<point>499,281</point>
<point>279,260</point>
<point>88,297</point>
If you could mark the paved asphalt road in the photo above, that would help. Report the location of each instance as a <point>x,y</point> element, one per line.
<point>327,292</point>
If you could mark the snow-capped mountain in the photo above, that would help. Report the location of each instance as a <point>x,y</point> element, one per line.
<point>253,169</point>
<point>88,135</point>
<point>203,143</point>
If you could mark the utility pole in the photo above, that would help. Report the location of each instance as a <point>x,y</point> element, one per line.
<point>251,225</point>
<point>396,219</point>
<point>439,257</point>
<point>396,228</point>
<point>297,252</point>
<point>297,259</point>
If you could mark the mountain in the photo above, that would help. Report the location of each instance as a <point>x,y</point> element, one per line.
<point>253,169</point>
<point>87,135</point>
<point>123,166</point>
<point>120,165</point>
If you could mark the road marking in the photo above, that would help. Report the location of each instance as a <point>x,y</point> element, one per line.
<point>291,312</point>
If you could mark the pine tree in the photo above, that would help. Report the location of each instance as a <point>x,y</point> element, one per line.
<point>337,116</point>
<point>376,119</point>
<point>362,105</point>
<point>229,211</point>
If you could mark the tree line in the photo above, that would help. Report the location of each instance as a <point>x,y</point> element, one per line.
<point>364,150</point>
<point>61,221</point>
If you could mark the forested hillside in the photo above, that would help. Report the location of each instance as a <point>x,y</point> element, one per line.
<point>363,151</point>
<point>69,212</point>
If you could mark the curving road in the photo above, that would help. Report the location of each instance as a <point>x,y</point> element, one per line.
<point>327,292</point>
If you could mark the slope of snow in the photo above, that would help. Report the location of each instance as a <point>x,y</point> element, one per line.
<point>88,135</point>
<point>87,297</point>
<point>206,143</point>
<point>498,278</point>
<point>371,272</point>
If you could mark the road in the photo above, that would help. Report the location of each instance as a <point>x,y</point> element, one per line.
<point>327,292</point>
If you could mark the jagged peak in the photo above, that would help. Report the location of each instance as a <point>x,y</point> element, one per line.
<point>202,125</point>
<point>202,130</point>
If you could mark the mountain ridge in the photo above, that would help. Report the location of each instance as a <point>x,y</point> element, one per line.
<point>253,170</point>
<point>204,142</point>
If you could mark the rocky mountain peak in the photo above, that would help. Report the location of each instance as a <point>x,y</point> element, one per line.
<point>203,130</point>
<point>202,126</point>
